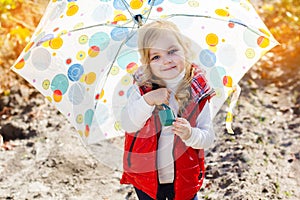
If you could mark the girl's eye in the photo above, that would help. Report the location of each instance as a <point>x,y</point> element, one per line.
<point>154,58</point>
<point>172,51</point>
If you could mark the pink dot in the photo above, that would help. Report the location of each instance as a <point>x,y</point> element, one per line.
<point>121,93</point>
<point>34,80</point>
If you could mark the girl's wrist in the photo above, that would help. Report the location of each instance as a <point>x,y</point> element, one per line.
<point>148,100</point>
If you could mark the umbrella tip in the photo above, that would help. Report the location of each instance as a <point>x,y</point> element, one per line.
<point>138,19</point>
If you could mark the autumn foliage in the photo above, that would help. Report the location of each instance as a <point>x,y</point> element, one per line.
<point>20,17</point>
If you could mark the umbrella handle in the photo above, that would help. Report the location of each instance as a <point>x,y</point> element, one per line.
<point>166,116</point>
<point>166,106</point>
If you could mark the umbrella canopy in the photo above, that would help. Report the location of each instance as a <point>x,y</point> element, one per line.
<point>83,53</point>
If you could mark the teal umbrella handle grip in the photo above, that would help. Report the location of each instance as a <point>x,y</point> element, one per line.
<point>166,116</point>
<point>166,106</point>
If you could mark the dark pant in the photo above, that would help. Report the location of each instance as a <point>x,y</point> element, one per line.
<point>165,191</point>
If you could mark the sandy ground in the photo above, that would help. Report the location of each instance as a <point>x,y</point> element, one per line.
<point>44,159</point>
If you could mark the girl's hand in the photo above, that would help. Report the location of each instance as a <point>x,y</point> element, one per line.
<point>157,97</point>
<point>182,128</point>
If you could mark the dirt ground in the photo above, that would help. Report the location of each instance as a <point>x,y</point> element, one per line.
<point>42,156</point>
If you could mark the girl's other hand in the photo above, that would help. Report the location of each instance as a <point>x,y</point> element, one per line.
<point>157,97</point>
<point>182,128</point>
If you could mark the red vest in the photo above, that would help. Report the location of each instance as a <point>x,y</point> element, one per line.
<point>140,159</point>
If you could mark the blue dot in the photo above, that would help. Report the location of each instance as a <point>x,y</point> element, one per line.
<point>75,72</point>
<point>119,34</point>
<point>207,58</point>
<point>100,40</point>
<point>60,82</point>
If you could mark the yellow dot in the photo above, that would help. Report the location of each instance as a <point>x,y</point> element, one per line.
<point>120,17</point>
<point>222,12</point>
<point>63,32</point>
<point>56,43</point>
<point>90,78</point>
<point>83,39</point>
<point>117,126</point>
<point>250,53</point>
<point>125,80</point>
<point>227,81</point>
<point>80,55</point>
<point>101,94</point>
<point>263,42</point>
<point>86,133</point>
<point>46,44</point>
<point>79,118</point>
<point>49,98</point>
<point>20,64</point>
<point>193,3</point>
<point>46,84</point>
<point>265,32</point>
<point>213,49</point>
<point>93,51</point>
<point>136,4</point>
<point>114,70</point>
<point>80,133</point>
<point>212,39</point>
<point>79,25</point>
<point>164,16</point>
<point>28,46</point>
<point>72,10</point>
<point>82,78</point>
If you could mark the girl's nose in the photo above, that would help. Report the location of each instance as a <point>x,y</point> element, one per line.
<point>167,59</point>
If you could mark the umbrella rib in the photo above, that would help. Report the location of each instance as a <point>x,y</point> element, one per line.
<point>149,11</point>
<point>98,25</point>
<point>127,8</point>
<point>206,16</point>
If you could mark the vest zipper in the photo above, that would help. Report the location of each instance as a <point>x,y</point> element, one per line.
<point>130,149</point>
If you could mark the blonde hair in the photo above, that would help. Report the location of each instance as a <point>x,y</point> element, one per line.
<point>146,36</point>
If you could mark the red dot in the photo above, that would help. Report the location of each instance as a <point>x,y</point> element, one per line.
<point>57,92</point>
<point>159,9</point>
<point>87,128</point>
<point>95,48</point>
<point>68,61</point>
<point>97,96</point>
<point>231,24</point>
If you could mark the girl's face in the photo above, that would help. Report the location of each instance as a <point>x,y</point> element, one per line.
<point>166,57</point>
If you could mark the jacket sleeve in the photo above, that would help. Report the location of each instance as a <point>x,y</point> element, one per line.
<point>136,112</point>
<point>203,135</point>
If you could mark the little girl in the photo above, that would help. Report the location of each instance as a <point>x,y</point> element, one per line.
<point>166,162</point>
